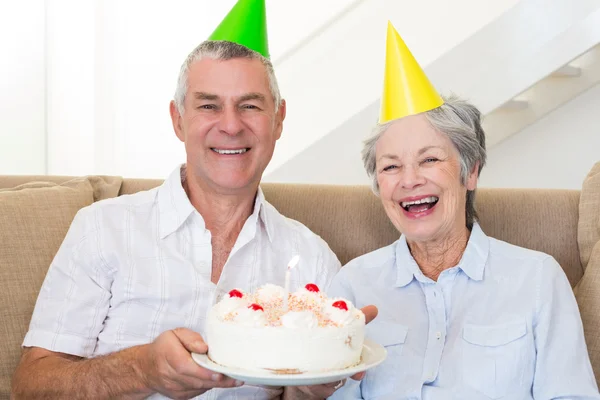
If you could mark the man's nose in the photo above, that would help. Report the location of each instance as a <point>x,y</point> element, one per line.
<point>230,122</point>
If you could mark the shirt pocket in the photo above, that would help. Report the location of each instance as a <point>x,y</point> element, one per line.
<point>493,357</point>
<point>387,377</point>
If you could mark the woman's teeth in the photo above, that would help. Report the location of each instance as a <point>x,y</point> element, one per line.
<point>431,199</point>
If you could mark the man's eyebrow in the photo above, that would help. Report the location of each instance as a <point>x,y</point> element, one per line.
<point>251,96</point>
<point>205,96</point>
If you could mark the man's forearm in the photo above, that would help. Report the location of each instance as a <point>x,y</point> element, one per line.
<point>115,376</point>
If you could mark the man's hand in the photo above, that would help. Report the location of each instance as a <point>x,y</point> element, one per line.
<point>169,369</point>
<point>326,390</point>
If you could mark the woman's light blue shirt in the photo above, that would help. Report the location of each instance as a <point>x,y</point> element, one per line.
<point>502,324</point>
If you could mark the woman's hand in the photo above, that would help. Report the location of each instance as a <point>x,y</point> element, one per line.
<point>325,390</point>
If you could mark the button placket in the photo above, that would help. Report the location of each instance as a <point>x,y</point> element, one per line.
<point>437,319</point>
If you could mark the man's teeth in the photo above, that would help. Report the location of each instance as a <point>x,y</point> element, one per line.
<point>431,199</point>
<point>236,151</point>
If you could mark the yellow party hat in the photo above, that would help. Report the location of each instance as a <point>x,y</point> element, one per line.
<point>406,88</point>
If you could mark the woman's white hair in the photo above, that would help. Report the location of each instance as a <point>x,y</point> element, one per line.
<point>222,50</point>
<point>458,119</point>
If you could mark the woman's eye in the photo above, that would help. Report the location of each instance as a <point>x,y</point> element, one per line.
<point>430,160</point>
<point>389,167</point>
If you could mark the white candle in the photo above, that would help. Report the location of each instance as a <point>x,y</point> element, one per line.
<point>291,265</point>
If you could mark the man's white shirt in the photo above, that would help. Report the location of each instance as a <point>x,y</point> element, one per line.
<point>135,266</point>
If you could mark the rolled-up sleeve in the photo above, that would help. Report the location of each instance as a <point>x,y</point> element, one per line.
<point>74,299</point>
<point>563,368</point>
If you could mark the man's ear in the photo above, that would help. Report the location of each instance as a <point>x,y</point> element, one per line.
<point>279,118</point>
<point>176,120</point>
<point>472,177</point>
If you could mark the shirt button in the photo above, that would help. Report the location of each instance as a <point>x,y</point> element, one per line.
<point>438,335</point>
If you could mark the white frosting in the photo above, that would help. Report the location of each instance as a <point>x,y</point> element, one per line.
<point>314,349</point>
<point>299,320</point>
<point>269,293</point>
<point>308,296</point>
<point>230,304</point>
<point>339,316</point>
<point>302,340</point>
<point>249,317</point>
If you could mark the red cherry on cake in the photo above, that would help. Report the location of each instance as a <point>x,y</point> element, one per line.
<point>311,287</point>
<point>256,307</point>
<point>236,293</point>
<point>341,304</point>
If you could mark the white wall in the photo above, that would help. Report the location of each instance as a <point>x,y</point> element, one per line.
<point>70,86</point>
<point>111,71</point>
<point>489,68</point>
<point>113,67</point>
<point>555,152</point>
<point>96,77</point>
<point>22,88</point>
<point>340,73</point>
<point>114,64</point>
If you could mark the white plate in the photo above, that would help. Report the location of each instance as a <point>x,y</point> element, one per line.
<point>372,355</point>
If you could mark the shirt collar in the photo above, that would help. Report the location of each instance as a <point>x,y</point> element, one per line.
<point>175,206</point>
<point>261,210</point>
<point>476,254</point>
<point>406,266</point>
<point>173,203</point>
<point>472,263</point>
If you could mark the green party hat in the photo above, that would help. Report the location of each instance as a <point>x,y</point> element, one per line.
<point>245,24</point>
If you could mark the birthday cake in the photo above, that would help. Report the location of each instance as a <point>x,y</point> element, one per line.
<point>283,332</point>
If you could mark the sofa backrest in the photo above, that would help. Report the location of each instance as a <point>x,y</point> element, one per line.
<point>353,222</point>
<point>350,218</point>
<point>34,218</point>
<point>588,293</point>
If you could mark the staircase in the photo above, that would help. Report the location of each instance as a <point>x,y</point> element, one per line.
<point>525,60</point>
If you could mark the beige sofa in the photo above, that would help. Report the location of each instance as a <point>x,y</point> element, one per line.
<point>35,213</point>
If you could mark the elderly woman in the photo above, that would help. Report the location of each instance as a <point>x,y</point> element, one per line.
<point>462,315</point>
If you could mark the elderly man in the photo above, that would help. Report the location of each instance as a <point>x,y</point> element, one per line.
<point>125,299</point>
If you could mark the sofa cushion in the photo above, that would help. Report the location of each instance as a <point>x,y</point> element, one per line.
<point>539,219</point>
<point>104,186</point>
<point>588,298</point>
<point>12,181</point>
<point>131,186</point>
<point>589,215</point>
<point>350,219</point>
<point>34,218</point>
<point>588,237</point>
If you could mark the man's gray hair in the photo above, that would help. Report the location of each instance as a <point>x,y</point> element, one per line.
<point>222,50</point>
<point>461,121</point>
